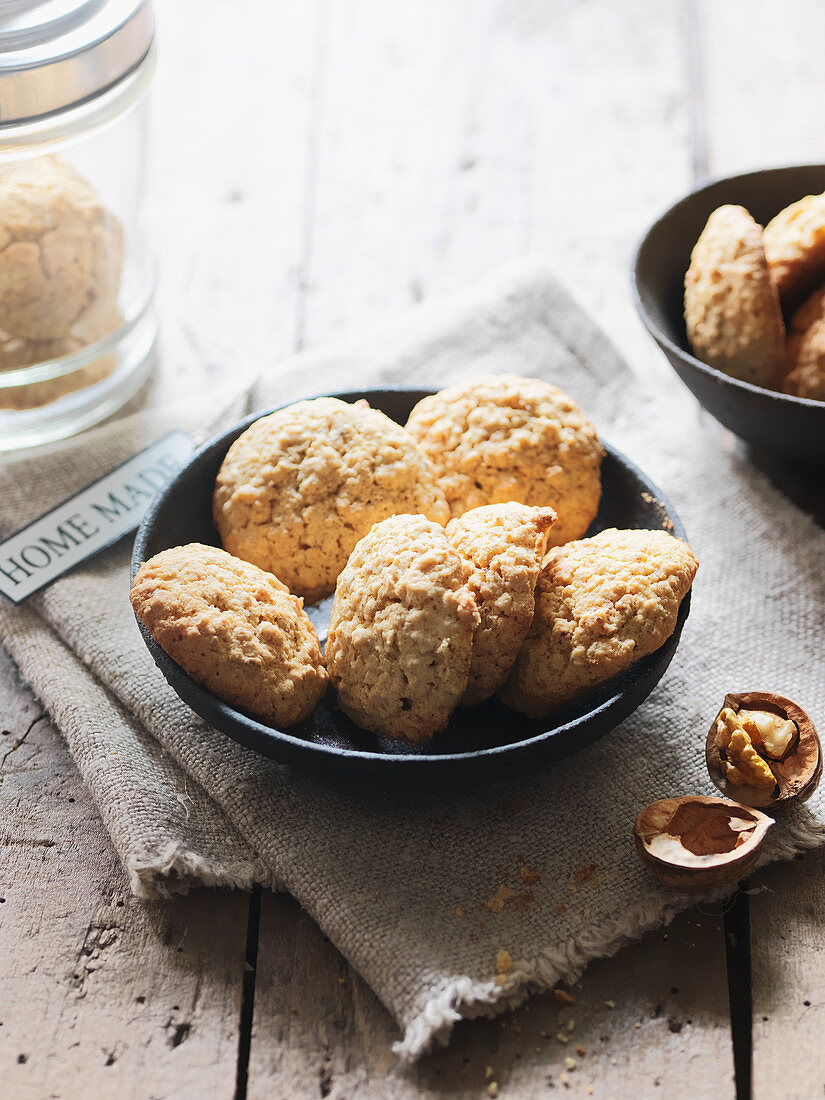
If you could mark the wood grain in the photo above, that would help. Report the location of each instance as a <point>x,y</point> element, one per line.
<point>645,1020</point>
<point>450,139</point>
<point>100,994</point>
<point>232,106</point>
<point>788,972</point>
<point>764,86</point>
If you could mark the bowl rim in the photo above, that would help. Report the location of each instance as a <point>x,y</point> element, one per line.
<point>329,753</point>
<point>662,338</point>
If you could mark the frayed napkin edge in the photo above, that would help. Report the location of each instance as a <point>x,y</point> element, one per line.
<point>466,999</point>
<point>174,870</point>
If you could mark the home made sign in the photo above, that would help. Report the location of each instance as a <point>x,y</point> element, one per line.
<point>91,520</point>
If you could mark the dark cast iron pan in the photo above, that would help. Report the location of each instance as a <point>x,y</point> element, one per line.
<point>488,741</point>
<point>792,428</point>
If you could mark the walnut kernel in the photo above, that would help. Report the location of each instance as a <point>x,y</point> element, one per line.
<point>741,761</point>
<point>763,749</point>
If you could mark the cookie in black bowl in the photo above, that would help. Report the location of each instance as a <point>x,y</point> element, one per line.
<point>487,741</point>
<point>792,428</point>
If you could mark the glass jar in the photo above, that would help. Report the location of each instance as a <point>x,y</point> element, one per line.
<point>77,325</point>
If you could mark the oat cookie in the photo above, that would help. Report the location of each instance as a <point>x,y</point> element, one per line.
<point>300,487</point>
<point>17,352</point>
<point>234,628</point>
<point>806,350</point>
<point>504,545</point>
<point>795,247</point>
<point>601,604</point>
<point>732,312</point>
<point>401,635</point>
<point>61,251</point>
<point>505,438</point>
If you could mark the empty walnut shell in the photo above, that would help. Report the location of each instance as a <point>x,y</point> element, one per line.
<point>797,775</point>
<point>694,842</point>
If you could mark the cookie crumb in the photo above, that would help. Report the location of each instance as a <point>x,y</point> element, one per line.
<point>504,965</point>
<point>500,898</point>
<point>524,900</point>
<point>563,996</point>
<point>586,872</point>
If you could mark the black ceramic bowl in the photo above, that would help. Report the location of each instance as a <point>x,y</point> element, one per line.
<point>792,428</point>
<point>485,741</point>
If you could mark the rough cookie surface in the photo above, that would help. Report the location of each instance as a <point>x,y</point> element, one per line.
<point>795,248</point>
<point>233,628</point>
<point>601,604</point>
<point>401,635</point>
<point>806,350</point>
<point>732,312</point>
<point>61,251</point>
<point>300,487</point>
<point>505,438</point>
<point>504,545</point>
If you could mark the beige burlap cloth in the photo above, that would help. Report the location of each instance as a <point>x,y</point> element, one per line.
<point>385,874</point>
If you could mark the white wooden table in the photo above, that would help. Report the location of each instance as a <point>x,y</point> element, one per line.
<point>320,165</point>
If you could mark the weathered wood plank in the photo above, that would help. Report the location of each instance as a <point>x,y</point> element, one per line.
<point>788,980</point>
<point>643,1019</point>
<point>232,103</point>
<point>764,90</point>
<point>100,994</point>
<point>452,138</point>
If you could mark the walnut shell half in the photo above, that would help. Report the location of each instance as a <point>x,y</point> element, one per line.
<point>796,774</point>
<point>694,842</point>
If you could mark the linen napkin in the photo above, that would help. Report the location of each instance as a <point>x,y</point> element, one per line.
<point>409,884</point>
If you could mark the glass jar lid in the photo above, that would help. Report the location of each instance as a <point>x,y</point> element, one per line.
<point>55,54</point>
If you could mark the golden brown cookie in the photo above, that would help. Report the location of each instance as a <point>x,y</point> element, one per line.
<point>601,604</point>
<point>233,628</point>
<point>505,438</point>
<point>61,250</point>
<point>732,312</point>
<point>504,545</point>
<point>17,352</point>
<point>300,487</point>
<point>806,350</point>
<point>401,634</point>
<point>795,248</point>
